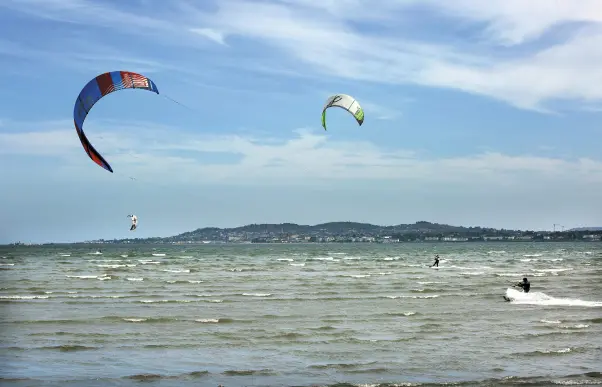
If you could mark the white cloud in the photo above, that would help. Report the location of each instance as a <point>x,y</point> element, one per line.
<point>512,22</point>
<point>507,22</point>
<point>47,143</point>
<point>89,12</point>
<point>80,57</point>
<point>330,44</point>
<point>322,36</point>
<point>210,34</point>
<point>307,158</point>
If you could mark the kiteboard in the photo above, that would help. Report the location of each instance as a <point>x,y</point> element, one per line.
<point>506,298</point>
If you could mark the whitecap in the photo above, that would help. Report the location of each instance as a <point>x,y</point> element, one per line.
<point>539,298</point>
<point>177,270</point>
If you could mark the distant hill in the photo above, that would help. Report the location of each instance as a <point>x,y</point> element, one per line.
<point>341,229</point>
<point>586,229</point>
<point>343,226</point>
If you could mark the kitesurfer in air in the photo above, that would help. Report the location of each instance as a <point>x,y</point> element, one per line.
<point>134,222</point>
<point>436,261</point>
<point>526,285</point>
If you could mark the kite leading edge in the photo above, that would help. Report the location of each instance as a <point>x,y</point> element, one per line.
<point>97,88</point>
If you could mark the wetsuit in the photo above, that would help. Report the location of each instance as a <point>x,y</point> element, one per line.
<point>526,285</point>
<point>134,223</point>
<point>436,262</point>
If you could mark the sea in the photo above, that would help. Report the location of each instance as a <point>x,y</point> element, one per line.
<point>301,315</point>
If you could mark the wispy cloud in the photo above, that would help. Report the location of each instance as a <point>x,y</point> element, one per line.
<point>307,157</point>
<point>90,13</point>
<point>513,22</point>
<point>210,34</point>
<point>592,108</point>
<point>330,44</point>
<point>82,58</point>
<point>322,36</point>
<point>380,112</point>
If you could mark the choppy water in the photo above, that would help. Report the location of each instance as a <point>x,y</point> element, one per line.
<point>283,315</point>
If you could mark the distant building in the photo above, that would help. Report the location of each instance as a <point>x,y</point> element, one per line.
<point>493,238</point>
<point>592,237</point>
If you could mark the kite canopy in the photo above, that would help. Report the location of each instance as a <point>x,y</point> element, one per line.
<point>97,88</point>
<point>346,102</point>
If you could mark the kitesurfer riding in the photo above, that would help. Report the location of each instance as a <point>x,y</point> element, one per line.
<point>134,222</point>
<point>526,285</point>
<point>436,261</point>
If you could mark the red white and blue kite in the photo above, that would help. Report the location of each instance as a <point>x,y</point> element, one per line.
<point>96,89</point>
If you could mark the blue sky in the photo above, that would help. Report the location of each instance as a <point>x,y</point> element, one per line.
<point>477,113</point>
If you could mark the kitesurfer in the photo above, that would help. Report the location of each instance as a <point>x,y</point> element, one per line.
<point>134,222</point>
<point>436,261</point>
<point>526,285</point>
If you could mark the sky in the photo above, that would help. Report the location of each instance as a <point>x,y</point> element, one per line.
<point>476,114</point>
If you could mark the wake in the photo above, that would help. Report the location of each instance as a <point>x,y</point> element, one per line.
<point>539,298</point>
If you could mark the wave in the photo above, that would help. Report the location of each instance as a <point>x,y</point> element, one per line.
<point>69,348</point>
<point>257,294</point>
<point>102,277</point>
<point>556,352</point>
<point>414,297</point>
<point>23,297</point>
<point>588,378</point>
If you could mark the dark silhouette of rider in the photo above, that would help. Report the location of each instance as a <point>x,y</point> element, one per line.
<point>436,261</point>
<point>526,285</point>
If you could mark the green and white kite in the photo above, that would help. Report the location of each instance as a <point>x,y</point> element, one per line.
<point>346,102</point>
